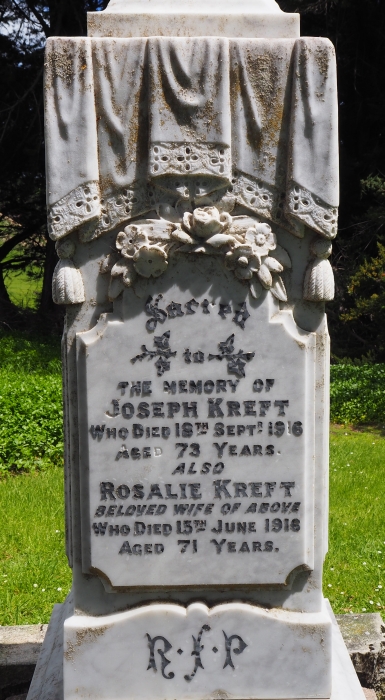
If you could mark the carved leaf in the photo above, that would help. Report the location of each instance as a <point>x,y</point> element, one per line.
<point>256,288</point>
<point>319,281</point>
<point>67,284</point>
<point>116,286</point>
<point>120,267</point>
<point>264,275</point>
<point>219,239</point>
<point>107,263</point>
<point>282,256</point>
<point>278,288</point>
<point>129,276</point>
<point>182,236</point>
<point>273,265</point>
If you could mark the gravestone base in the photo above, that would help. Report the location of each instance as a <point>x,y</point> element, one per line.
<point>167,651</point>
<point>83,635</point>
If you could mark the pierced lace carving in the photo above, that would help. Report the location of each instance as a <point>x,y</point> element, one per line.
<point>190,158</point>
<point>265,200</point>
<point>79,206</point>
<point>119,207</point>
<point>303,205</point>
<point>256,195</point>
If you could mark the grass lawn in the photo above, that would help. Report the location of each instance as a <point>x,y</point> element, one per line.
<point>354,573</point>
<point>33,568</point>
<point>24,289</point>
<point>34,573</point>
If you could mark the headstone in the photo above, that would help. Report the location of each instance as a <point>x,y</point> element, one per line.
<point>193,192</point>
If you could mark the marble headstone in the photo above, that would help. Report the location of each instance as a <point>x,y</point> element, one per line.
<point>192,189</point>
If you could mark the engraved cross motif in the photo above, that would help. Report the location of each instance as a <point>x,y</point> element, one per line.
<point>235,361</point>
<point>163,352</point>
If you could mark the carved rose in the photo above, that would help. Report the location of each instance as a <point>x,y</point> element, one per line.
<point>244,243</point>
<point>150,261</point>
<point>129,240</point>
<point>261,238</point>
<point>204,222</point>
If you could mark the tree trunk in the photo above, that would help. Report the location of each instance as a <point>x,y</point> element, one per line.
<point>46,303</point>
<point>4,296</point>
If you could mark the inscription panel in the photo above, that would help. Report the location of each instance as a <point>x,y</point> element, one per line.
<point>197,443</point>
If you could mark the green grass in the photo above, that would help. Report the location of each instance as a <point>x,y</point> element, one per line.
<point>31,429</point>
<point>34,574</point>
<point>24,287</point>
<point>355,565</point>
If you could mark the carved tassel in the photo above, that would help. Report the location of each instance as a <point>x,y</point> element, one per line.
<point>67,282</point>
<point>319,277</point>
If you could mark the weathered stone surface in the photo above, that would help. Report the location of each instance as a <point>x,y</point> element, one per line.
<point>197,201</point>
<point>19,651</point>
<point>365,639</point>
<point>22,645</point>
<point>129,18</point>
<point>47,682</point>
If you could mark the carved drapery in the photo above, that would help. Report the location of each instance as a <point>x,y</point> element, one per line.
<point>141,123</point>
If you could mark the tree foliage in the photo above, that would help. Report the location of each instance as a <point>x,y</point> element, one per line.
<point>24,243</point>
<point>357,29</point>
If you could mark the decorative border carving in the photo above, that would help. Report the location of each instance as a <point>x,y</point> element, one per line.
<point>256,195</point>
<point>123,205</point>
<point>303,205</point>
<point>190,159</point>
<point>243,242</point>
<point>79,206</point>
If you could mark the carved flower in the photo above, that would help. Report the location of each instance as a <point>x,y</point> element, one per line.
<point>204,222</point>
<point>150,261</point>
<point>243,261</point>
<point>261,238</point>
<point>129,240</point>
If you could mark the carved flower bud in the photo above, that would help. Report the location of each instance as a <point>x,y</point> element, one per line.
<point>262,237</point>
<point>206,221</point>
<point>150,261</point>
